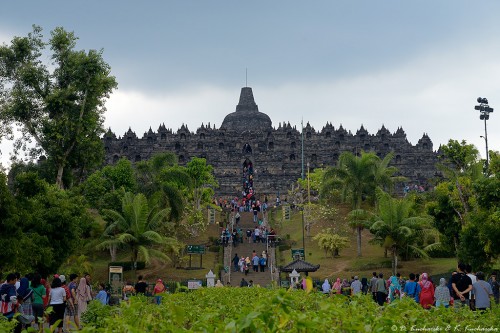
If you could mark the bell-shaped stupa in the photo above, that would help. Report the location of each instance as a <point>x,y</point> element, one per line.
<point>247,116</point>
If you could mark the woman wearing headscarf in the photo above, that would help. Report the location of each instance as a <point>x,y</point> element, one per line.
<point>82,296</point>
<point>442,294</point>
<point>337,286</point>
<point>25,294</point>
<point>394,289</point>
<point>304,284</point>
<point>346,287</point>
<point>426,291</point>
<point>325,287</point>
<point>364,285</point>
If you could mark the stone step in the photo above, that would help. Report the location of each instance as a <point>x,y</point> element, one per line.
<point>246,249</point>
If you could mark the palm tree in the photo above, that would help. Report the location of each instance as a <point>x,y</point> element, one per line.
<point>161,178</point>
<point>395,226</point>
<point>134,227</point>
<point>356,175</point>
<point>384,174</point>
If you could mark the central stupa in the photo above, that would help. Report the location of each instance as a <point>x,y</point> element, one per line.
<point>247,116</point>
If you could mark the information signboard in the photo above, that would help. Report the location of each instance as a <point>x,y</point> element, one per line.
<point>298,254</point>
<point>116,279</point>
<point>194,284</point>
<point>195,249</point>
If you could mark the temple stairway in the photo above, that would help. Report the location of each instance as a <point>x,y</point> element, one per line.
<point>262,279</point>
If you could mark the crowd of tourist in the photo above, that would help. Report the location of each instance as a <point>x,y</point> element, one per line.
<point>407,188</point>
<point>259,234</point>
<point>256,262</point>
<point>32,294</point>
<point>464,288</point>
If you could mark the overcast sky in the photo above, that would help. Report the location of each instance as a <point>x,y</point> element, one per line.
<point>419,65</point>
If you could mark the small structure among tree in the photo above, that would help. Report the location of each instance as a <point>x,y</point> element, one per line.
<point>299,266</point>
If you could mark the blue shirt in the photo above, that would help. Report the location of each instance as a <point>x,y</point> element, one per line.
<point>102,297</point>
<point>412,289</point>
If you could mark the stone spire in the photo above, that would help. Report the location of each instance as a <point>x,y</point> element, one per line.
<point>247,116</point>
<point>247,103</point>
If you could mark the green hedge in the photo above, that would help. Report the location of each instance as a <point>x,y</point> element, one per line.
<point>271,310</point>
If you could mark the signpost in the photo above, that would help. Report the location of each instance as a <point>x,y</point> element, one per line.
<point>298,254</point>
<point>196,249</point>
<point>116,279</point>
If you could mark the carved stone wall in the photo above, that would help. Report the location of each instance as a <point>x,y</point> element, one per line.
<point>275,153</point>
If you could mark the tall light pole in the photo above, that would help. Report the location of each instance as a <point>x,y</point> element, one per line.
<point>484,114</point>
<point>302,143</point>
<point>308,226</point>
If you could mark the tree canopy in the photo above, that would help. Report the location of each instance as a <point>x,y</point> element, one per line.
<point>59,105</point>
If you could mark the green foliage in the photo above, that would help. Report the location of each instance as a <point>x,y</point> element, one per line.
<point>78,264</point>
<point>315,180</point>
<point>6,325</point>
<point>331,242</point>
<point>165,182</point>
<point>357,178</point>
<point>460,155</point>
<point>102,188</point>
<point>97,313</point>
<point>203,180</point>
<point>265,310</point>
<point>135,228</point>
<point>465,205</point>
<point>395,227</point>
<point>38,222</point>
<point>59,105</point>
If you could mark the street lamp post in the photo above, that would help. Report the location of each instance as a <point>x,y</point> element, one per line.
<point>303,236</point>
<point>484,114</point>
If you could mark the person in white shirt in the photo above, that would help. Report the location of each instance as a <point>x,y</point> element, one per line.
<point>57,299</point>
<point>356,286</point>
<point>468,270</point>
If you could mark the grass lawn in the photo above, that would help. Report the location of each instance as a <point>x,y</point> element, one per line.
<point>165,271</point>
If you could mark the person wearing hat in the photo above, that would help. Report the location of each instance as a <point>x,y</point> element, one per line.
<point>356,286</point>
<point>158,289</point>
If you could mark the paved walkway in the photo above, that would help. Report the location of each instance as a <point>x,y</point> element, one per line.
<point>245,249</point>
